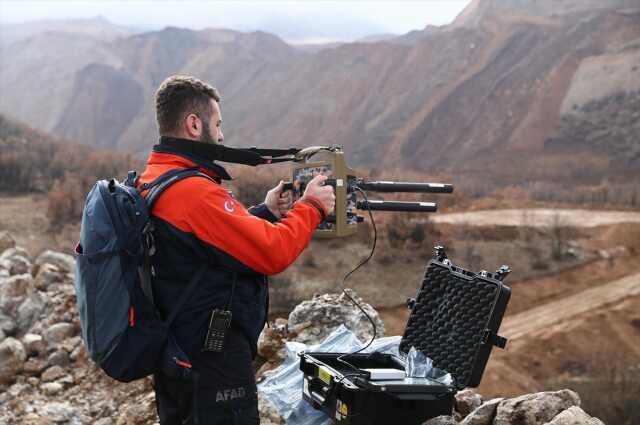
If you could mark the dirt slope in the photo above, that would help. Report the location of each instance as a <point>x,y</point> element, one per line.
<point>539,218</point>
<point>539,319</point>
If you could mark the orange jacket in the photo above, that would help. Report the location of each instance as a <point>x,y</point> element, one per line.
<point>196,221</point>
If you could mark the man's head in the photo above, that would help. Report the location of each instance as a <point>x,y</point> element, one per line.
<point>188,108</point>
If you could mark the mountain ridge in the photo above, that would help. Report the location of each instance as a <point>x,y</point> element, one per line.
<point>493,85</point>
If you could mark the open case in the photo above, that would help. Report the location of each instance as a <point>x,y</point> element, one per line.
<point>454,320</point>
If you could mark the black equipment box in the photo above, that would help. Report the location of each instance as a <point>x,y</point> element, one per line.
<point>454,320</point>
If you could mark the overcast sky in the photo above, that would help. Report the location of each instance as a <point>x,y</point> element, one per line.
<point>294,21</point>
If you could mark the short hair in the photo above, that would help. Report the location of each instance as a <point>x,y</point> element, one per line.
<point>179,96</point>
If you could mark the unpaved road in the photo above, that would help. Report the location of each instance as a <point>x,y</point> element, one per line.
<point>539,319</point>
<point>538,218</point>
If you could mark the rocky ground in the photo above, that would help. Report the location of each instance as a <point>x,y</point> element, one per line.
<point>46,377</point>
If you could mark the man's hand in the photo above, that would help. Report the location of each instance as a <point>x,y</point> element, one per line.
<point>324,194</point>
<point>277,201</point>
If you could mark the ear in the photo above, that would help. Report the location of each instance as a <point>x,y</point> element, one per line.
<point>193,126</point>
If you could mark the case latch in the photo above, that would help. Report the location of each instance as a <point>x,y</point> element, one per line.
<point>493,338</point>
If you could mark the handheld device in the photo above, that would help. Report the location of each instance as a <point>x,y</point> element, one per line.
<point>218,325</point>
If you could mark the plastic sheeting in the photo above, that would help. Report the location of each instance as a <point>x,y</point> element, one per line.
<point>420,366</point>
<point>283,386</point>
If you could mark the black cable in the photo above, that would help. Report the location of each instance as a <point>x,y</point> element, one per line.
<point>344,289</point>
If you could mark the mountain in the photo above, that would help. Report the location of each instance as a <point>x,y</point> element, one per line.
<point>499,94</point>
<point>97,27</point>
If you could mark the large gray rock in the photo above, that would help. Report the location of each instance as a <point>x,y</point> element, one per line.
<point>12,358</point>
<point>574,416</point>
<point>467,401</point>
<point>535,409</point>
<point>441,420</point>
<point>64,262</point>
<point>6,241</point>
<point>324,313</point>
<point>47,275</point>
<point>484,414</point>
<point>29,311</point>
<point>58,332</point>
<point>13,292</point>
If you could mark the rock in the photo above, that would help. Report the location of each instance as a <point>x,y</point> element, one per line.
<point>271,345</point>
<point>467,401</point>
<point>7,324</point>
<point>79,355</point>
<point>105,421</point>
<point>59,412</point>
<point>268,413</point>
<point>53,373</point>
<point>12,358</point>
<point>34,419</point>
<point>327,312</point>
<point>13,292</point>
<point>34,344</point>
<point>58,332</point>
<point>52,388</point>
<point>66,380</point>
<point>70,344</point>
<point>484,414</point>
<point>140,413</point>
<point>15,251</point>
<point>574,416</point>
<point>272,338</point>
<point>29,311</point>
<point>441,420</point>
<point>64,262</point>
<point>34,366</point>
<point>6,241</point>
<point>47,275</point>
<point>535,409</point>
<point>59,358</point>
<point>17,264</point>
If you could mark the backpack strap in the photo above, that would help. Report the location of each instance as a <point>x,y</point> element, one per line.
<point>156,188</point>
<point>166,180</point>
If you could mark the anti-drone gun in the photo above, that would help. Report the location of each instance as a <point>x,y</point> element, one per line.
<point>330,161</point>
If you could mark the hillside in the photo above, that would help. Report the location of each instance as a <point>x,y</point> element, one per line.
<point>503,90</point>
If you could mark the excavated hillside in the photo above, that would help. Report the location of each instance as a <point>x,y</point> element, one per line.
<point>481,96</point>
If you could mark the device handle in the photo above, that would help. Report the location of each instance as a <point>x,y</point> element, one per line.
<point>397,206</point>
<point>410,187</point>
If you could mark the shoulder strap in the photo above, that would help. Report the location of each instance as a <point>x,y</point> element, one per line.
<point>166,180</point>
<point>156,188</point>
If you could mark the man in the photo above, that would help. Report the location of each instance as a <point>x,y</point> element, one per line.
<point>197,221</point>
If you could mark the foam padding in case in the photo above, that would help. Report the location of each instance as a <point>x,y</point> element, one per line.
<point>451,314</point>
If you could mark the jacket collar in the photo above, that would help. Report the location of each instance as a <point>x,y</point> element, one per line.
<point>190,151</point>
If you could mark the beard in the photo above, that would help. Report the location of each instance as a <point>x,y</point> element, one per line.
<point>205,137</point>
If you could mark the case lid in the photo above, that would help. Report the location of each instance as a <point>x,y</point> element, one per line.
<point>455,318</point>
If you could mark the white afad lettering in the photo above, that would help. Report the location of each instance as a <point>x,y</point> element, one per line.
<point>229,206</point>
<point>230,394</point>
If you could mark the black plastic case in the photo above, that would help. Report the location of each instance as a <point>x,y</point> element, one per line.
<point>454,320</point>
